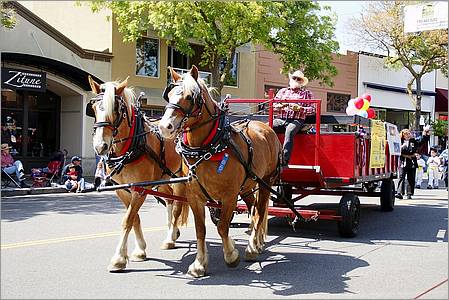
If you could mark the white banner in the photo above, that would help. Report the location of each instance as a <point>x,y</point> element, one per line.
<point>394,140</point>
<point>425,16</point>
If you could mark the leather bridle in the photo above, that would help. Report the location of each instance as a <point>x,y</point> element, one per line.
<point>196,100</point>
<point>122,113</point>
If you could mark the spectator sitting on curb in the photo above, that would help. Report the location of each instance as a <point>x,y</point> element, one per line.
<point>67,177</point>
<point>11,166</point>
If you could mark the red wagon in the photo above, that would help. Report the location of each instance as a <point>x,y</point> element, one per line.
<point>334,160</point>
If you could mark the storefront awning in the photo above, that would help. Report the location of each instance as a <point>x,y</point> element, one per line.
<point>441,100</point>
<point>71,73</point>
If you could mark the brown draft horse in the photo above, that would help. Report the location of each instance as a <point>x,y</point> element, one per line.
<point>192,111</point>
<point>116,132</point>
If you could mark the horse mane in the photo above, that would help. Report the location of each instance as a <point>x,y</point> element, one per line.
<point>109,97</point>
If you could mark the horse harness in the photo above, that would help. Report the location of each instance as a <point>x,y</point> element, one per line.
<point>135,143</point>
<point>218,142</point>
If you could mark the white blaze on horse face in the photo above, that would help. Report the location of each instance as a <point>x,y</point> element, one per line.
<point>101,141</point>
<point>171,120</point>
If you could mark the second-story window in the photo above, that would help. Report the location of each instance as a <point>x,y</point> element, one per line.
<point>337,102</point>
<point>232,78</point>
<point>147,57</point>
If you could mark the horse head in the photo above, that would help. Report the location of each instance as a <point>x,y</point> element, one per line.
<point>110,106</point>
<point>185,102</point>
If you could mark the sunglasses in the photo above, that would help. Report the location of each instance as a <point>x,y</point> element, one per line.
<point>296,78</point>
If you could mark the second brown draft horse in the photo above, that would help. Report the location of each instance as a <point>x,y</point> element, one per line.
<point>246,151</point>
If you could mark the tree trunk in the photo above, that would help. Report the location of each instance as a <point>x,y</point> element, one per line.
<point>216,83</point>
<point>418,104</point>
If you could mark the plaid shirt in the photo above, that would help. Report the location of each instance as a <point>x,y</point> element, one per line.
<point>287,111</point>
<point>7,160</point>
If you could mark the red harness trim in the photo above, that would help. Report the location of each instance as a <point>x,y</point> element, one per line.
<point>216,156</point>
<point>131,135</point>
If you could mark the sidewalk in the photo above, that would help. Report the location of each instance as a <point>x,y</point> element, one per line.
<point>9,192</point>
<point>14,191</point>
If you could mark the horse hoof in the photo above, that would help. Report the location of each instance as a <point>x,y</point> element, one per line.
<point>235,262</point>
<point>168,245</point>
<point>197,270</point>
<point>116,268</point>
<point>197,273</point>
<point>138,256</point>
<point>178,234</point>
<point>117,264</point>
<point>251,256</point>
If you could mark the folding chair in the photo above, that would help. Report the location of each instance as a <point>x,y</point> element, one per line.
<point>7,180</point>
<point>55,169</point>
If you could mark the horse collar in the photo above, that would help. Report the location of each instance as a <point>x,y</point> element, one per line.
<point>216,142</point>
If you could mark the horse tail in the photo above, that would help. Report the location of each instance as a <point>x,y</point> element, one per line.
<point>264,223</point>
<point>184,216</point>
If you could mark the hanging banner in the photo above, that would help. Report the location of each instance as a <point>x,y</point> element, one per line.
<point>394,140</point>
<point>425,16</point>
<point>377,149</point>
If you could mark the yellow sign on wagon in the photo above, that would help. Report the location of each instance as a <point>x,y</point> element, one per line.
<point>377,151</point>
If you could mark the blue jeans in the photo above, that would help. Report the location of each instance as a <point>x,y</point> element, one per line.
<point>292,126</point>
<point>16,168</point>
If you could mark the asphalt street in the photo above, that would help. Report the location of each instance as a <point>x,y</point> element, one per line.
<point>59,246</point>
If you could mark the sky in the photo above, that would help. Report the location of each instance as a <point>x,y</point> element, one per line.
<point>344,10</point>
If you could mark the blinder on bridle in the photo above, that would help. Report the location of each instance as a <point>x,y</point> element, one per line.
<point>121,113</point>
<point>195,100</point>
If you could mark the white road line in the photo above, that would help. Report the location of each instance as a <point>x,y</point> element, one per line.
<point>440,235</point>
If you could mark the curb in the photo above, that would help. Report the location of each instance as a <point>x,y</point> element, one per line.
<point>10,192</point>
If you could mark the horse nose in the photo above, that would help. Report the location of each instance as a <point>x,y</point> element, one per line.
<point>101,149</point>
<point>169,126</point>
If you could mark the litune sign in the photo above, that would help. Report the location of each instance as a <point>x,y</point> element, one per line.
<point>24,80</point>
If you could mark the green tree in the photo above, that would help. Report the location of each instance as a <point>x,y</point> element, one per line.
<point>381,26</point>
<point>8,18</point>
<point>292,29</point>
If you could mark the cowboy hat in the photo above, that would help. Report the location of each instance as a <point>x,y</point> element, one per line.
<point>299,74</point>
<point>5,147</point>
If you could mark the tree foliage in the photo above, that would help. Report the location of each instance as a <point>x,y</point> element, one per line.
<point>8,18</point>
<point>381,27</point>
<point>291,28</point>
<point>439,127</point>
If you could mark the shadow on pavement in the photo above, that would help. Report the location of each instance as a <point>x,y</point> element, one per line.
<point>299,266</point>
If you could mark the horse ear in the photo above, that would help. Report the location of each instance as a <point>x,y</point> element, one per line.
<point>94,85</point>
<point>194,72</point>
<point>174,76</point>
<point>119,89</point>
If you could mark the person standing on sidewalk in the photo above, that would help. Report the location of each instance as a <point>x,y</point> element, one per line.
<point>432,168</point>
<point>419,170</point>
<point>408,161</point>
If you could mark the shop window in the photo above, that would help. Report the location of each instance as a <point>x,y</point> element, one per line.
<point>232,78</point>
<point>337,102</point>
<point>177,60</point>
<point>30,122</point>
<point>147,57</point>
<point>154,113</point>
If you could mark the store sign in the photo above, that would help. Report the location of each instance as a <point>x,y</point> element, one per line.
<point>24,80</point>
<point>425,16</point>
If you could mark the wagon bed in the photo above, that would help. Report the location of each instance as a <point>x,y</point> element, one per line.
<point>334,160</point>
